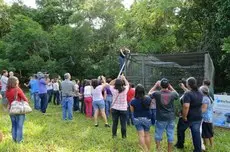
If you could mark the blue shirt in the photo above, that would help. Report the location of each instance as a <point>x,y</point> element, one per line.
<point>42,86</point>
<point>34,86</point>
<point>207,115</point>
<point>141,108</point>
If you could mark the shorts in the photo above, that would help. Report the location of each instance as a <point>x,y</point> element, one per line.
<point>207,130</point>
<point>165,125</point>
<point>4,99</point>
<point>100,104</point>
<point>142,123</point>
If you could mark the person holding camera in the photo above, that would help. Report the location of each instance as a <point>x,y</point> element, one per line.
<point>181,125</point>
<point>119,88</point>
<point>165,115</point>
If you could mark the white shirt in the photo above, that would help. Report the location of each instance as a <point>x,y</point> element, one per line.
<point>4,81</point>
<point>88,91</point>
<point>56,86</point>
<point>49,86</point>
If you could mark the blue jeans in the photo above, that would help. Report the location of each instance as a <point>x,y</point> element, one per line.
<point>108,102</point>
<point>142,123</point>
<point>165,125</point>
<point>153,116</point>
<point>121,62</point>
<point>17,127</point>
<point>50,95</point>
<point>196,135</point>
<point>44,102</point>
<point>37,101</point>
<point>76,104</point>
<point>4,100</point>
<point>67,107</point>
<point>195,130</point>
<point>129,115</point>
<point>100,104</point>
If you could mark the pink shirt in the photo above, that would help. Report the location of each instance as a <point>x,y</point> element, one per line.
<point>119,99</point>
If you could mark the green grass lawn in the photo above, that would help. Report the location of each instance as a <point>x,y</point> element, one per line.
<point>49,133</point>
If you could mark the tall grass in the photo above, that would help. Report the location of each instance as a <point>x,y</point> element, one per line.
<point>49,133</point>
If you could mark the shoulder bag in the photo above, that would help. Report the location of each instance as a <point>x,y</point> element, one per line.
<point>19,107</point>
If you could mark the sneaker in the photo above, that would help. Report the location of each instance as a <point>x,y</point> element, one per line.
<point>179,146</point>
<point>107,125</point>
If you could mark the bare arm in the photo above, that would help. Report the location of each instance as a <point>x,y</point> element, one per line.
<point>131,108</point>
<point>204,107</point>
<point>126,49</point>
<point>121,50</point>
<point>183,87</point>
<point>154,88</point>
<point>185,111</point>
<point>126,81</point>
<point>112,82</point>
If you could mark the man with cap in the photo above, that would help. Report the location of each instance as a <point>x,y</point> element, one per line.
<point>68,89</point>
<point>165,115</point>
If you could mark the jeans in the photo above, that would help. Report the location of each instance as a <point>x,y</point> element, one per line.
<point>142,124</point>
<point>99,104</point>
<point>108,102</point>
<point>4,100</point>
<point>121,62</point>
<point>116,114</point>
<point>153,116</point>
<point>37,101</point>
<point>56,97</point>
<point>164,125</point>
<point>44,102</point>
<point>17,127</point>
<point>89,107</point>
<point>67,108</point>
<point>76,104</point>
<point>129,115</point>
<point>83,108</point>
<point>195,130</point>
<point>50,94</point>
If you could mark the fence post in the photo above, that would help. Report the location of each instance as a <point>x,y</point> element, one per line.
<point>143,71</point>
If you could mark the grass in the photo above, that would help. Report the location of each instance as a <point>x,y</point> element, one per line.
<point>48,133</point>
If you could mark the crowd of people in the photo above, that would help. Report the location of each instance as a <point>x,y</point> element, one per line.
<point>122,101</point>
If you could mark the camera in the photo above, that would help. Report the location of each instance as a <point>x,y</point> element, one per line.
<point>182,81</point>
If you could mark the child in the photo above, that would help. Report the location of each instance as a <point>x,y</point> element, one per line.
<point>207,126</point>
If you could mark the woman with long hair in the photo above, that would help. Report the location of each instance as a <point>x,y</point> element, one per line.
<point>119,88</point>
<point>140,106</point>
<point>14,92</point>
<point>98,100</point>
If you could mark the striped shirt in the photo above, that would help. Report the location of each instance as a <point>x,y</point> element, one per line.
<point>119,99</point>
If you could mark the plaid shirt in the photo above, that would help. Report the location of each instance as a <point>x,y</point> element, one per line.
<point>119,99</point>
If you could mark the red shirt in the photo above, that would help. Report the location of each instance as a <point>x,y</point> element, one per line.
<point>130,94</point>
<point>10,95</point>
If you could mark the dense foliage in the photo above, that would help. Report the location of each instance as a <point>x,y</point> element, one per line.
<point>83,36</point>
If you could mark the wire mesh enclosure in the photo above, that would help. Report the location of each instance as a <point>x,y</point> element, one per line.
<point>146,69</point>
